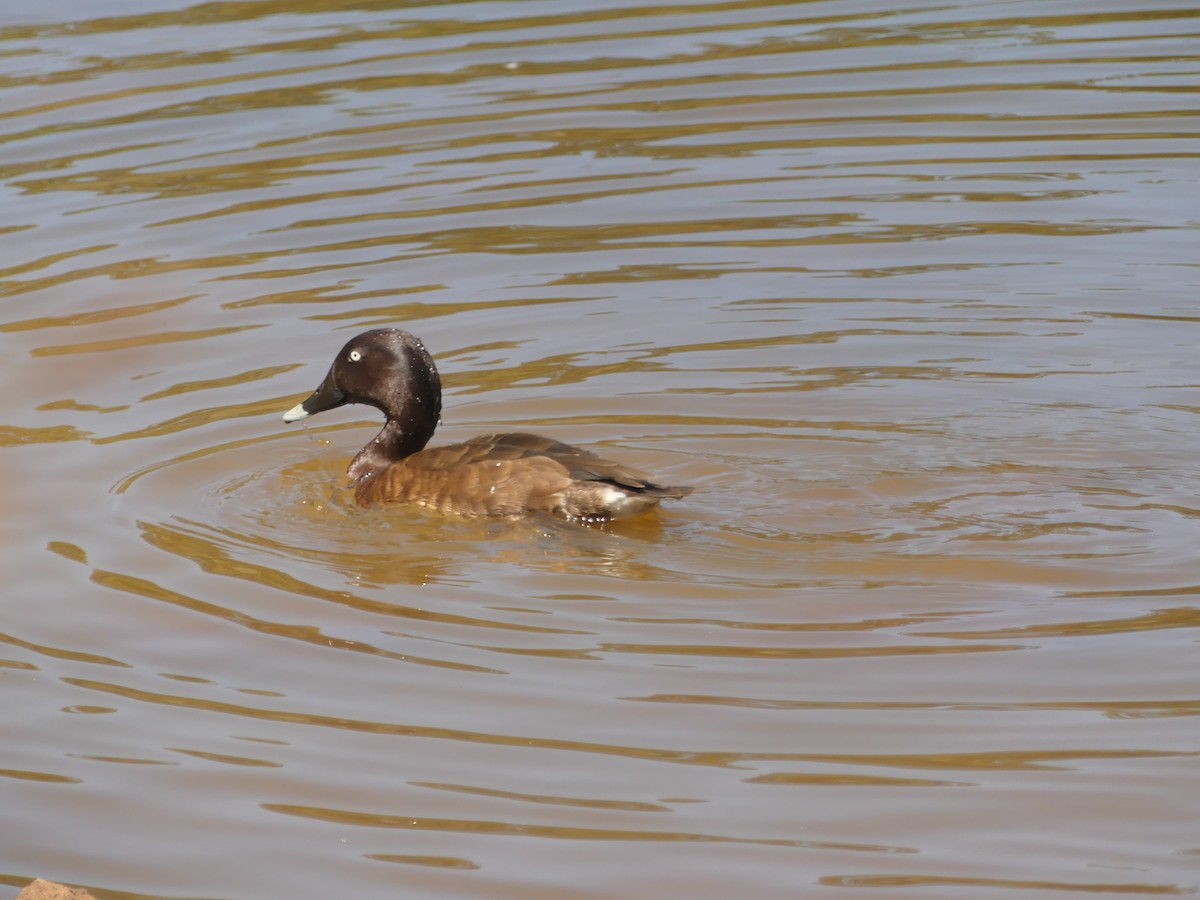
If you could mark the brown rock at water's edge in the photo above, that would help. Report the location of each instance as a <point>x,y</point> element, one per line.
<point>40,889</point>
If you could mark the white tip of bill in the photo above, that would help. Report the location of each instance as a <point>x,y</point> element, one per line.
<point>296,413</point>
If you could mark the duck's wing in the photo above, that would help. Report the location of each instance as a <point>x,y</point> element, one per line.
<point>578,464</point>
<point>490,475</point>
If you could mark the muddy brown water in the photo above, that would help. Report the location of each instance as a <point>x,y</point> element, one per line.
<point>909,294</point>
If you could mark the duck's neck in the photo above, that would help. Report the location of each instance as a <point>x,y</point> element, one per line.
<point>396,441</point>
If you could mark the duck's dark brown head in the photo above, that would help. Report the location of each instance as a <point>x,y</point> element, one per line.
<point>391,370</point>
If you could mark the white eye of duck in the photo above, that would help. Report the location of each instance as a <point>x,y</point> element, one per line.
<point>355,355</point>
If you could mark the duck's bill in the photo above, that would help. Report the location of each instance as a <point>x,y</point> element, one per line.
<point>327,396</point>
<point>296,413</point>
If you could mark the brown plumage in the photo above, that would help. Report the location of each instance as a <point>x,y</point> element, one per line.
<point>490,475</point>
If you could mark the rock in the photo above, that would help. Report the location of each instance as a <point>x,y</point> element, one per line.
<point>40,889</point>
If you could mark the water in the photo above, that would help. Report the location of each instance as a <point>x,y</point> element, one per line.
<point>908,294</point>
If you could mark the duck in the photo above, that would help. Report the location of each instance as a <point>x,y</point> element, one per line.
<point>506,475</point>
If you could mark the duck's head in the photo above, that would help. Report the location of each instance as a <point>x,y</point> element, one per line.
<point>386,368</point>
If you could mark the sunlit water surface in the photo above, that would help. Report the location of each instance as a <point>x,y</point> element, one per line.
<point>909,295</point>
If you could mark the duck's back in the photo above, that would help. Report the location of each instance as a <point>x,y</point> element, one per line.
<point>515,474</point>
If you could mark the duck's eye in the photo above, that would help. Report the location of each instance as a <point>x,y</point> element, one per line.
<point>355,355</point>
